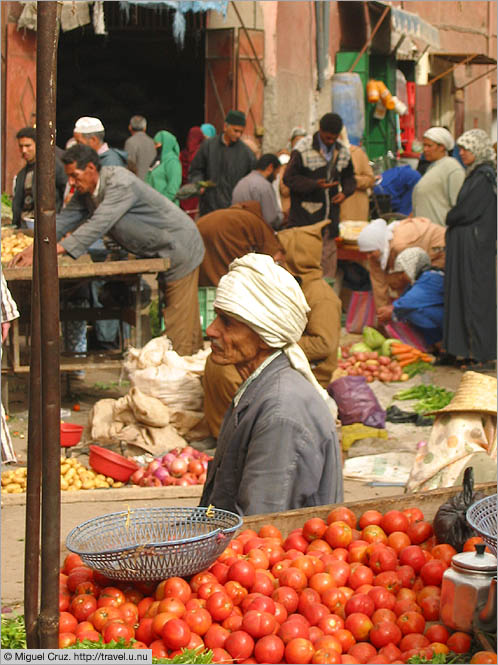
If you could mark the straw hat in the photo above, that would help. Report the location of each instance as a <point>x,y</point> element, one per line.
<point>476,392</point>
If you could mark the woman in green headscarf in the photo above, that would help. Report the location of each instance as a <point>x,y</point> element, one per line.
<point>165,173</point>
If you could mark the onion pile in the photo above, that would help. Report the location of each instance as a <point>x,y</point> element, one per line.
<point>181,467</point>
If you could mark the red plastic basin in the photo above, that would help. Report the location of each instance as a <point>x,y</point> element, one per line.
<point>70,434</point>
<point>111,464</point>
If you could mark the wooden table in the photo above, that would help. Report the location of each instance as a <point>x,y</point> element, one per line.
<point>79,272</point>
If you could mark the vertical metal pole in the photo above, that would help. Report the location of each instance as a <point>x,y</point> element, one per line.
<point>32,535</point>
<point>46,71</point>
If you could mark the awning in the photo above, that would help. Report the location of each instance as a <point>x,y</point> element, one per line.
<point>476,59</point>
<point>409,34</point>
<point>181,7</point>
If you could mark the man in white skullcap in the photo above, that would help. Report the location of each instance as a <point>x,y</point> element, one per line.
<point>90,131</point>
<point>436,192</point>
<point>278,447</point>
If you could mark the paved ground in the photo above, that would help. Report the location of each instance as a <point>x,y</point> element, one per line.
<point>75,509</point>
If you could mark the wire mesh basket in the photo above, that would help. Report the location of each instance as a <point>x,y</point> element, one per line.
<point>148,544</point>
<point>482,517</point>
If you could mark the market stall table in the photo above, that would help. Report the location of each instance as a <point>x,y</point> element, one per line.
<point>78,272</point>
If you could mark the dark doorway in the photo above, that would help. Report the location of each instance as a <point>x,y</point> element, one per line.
<point>138,68</point>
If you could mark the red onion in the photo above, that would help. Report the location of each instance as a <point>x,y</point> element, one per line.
<point>178,467</point>
<point>137,475</point>
<point>152,466</point>
<point>167,459</point>
<point>161,473</point>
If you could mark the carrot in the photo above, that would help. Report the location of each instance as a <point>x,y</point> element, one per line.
<point>426,357</point>
<point>406,354</point>
<point>407,361</point>
<point>401,347</point>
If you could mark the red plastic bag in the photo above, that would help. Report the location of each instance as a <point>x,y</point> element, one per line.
<point>361,312</point>
<point>356,402</point>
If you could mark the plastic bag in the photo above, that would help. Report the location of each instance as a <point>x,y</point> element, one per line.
<point>450,524</point>
<point>356,402</point>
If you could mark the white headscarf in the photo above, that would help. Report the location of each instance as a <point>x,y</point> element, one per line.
<point>269,300</point>
<point>479,144</point>
<point>412,261</point>
<point>377,236</point>
<point>441,136</point>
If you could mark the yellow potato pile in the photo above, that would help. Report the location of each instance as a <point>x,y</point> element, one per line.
<point>74,476</point>
<point>12,245</point>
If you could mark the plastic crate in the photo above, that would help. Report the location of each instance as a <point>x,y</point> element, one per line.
<point>206,296</point>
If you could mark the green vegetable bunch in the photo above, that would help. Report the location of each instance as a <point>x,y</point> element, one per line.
<point>13,632</point>
<point>418,367</point>
<point>430,398</point>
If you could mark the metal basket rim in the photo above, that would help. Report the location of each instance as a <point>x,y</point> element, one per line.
<point>164,544</point>
<point>471,517</point>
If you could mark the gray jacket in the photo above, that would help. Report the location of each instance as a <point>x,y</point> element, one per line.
<point>278,448</point>
<point>137,217</point>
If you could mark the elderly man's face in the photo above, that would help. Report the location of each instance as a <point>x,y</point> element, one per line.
<point>234,343</point>
<point>232,133</point>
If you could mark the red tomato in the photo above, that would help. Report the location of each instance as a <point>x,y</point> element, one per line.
<point>335,600</point>
<point>357,551</point>
<point>459,642</point>
<point>176,633</point>
<point>111,596</point>
<point>295,541</point>
<point>339,570</point>
<point>363,652</point>
<point>330,624</point>
<point>158,649</point>
<point>64,601</point>
<point>382,597</point>
<point>220,571</point>
<point>291,629</point>
<point>398,540</point>
<point>287,596</point>
<point>66,640</point>
<point>315,612</point>
<point>264,604</point>
<point>359,625</point>
<point>389,580</point>
<point>470,543</point>
<point>207,589</point>
<point>360,602</point>
<point>370,517</point>
<point>382,559</point>
<point>78,575</point>
<point>83,605</point>
<point>239,645</point>
<point>390,653</point>
<point>144,632</point>
<point>176,587</point>
<point>342,514</point>
<point>90,635</point>
<point>432,572</point>
<point>221,656</point>
<point>294,578</point>
<point>338,534</point>
<point>270,531</point>
<point>299,650</point>
<point>413,514</point>
<point>412,556</point>
<point>444,553</point>
<point>383,614</point>
<point>116,629</point>
<point>314,529</point>
<point>385,633</point>
<point>144,605</point>
<point>258,624</point>
<point>413,641</point>
<point>87,587</point>
<point>402,606</point>
<point>484,657</point>
<point>71,561</point>
<point>394,520</point>
<point>173,605</point>
<point>102,615</point>
<point>198,620</point>
<point>215,636</point>
<point>430,608</point>
<point>407,576</point>
<point>244,572</point>
<point>437,633</point>
<point>419,531</point>
<point>345,638</point>
<point>219,605</point>
<point>360,575</point>
<point>374,534</point>
<point>411,622</point>
<point>67,622</point>
<point>307,597</point>
<point>197,580</point>
<point>235,591</point>
<point>326,656</point>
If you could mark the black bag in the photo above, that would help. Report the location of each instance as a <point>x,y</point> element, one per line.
<point>450,523</point>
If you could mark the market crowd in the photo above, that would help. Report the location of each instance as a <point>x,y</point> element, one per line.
<point>262,228</point>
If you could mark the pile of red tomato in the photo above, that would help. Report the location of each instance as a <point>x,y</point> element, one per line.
<point>339,590</point>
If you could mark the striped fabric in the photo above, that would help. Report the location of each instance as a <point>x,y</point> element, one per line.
<point>9,313</point>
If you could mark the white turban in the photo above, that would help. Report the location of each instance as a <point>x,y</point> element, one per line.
<point>441,136</point>
<point>377,236</point>
<point>269,300</point>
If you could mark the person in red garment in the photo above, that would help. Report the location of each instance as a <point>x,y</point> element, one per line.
<point>195,137</point>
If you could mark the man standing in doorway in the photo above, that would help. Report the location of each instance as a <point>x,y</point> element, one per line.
<point>320,176</point>
<point>139,146</point>
<point>23,201</point>
<point>257,186</point>
<point>91,132</point>
<point>224,160</point>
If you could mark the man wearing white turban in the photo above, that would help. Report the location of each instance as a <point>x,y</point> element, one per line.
<point>278,448</point>
<point>436,192</point>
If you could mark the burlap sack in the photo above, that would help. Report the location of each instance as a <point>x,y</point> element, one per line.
<point>147,409</point>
